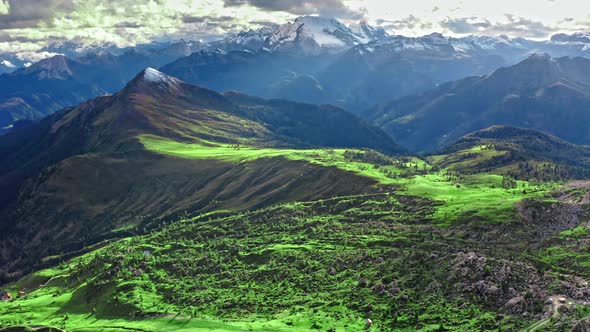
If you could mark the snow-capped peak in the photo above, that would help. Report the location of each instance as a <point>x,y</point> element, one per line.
<point>331,32</point>
<point>433,45</point>
<point>152,77</point>
<point>578,37</point>
<point>325,31</point>
<point>247,40</point>
<point>368,33</point>
<point>293,37</point>
<point>313,34</point>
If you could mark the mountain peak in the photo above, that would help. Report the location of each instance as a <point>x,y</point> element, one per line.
<point>56,67</point>
<point>535,71</point>
<point>154,75</point>
<point>97,57</point>
<point>151,77</point>
<point>316,34</point>
<point>578,37</point>
<point>539,56</point>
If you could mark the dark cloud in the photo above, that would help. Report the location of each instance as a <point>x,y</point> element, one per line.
<point>515,26</point>
<point>30,13</point>
<point>335,8</point>
<point>465,25</point>
<point>8,38</point>
<point>128,25</point>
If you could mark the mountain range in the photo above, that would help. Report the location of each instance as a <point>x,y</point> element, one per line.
<point>541,92</point>
<point>312,59</point>
<point>356,78</point>
<point>312,35</point>
<point>57,82</point>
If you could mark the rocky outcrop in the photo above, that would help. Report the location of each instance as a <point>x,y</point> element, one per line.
<point>547,218</point>
<point>518,288</point>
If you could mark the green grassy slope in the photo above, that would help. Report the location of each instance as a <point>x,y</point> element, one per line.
<point>480,197</point>
<point>310,255</point>
<point>78,176</point>
<point>517,152</point>
<point>325,264</point>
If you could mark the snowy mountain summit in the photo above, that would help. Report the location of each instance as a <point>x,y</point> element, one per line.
<point>151,77</point>
<point>316,34</point>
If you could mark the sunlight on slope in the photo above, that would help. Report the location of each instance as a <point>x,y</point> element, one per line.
<point>474,198</point>
<point>230,153</point>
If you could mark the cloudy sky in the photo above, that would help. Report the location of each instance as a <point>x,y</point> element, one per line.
<point>26,26</point>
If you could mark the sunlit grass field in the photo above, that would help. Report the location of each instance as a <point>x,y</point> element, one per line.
<point>479,197</point>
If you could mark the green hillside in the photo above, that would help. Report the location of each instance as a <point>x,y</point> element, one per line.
<point>401,256</point>
<point>168,207</point>
<point>83,175</point>
<point>517,152</point>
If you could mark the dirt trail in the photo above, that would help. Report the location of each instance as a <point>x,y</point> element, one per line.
<point>554,304</point>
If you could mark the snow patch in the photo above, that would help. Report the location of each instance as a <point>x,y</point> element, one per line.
<point>8,64</point>
<point>323,29</point>
<point>154,76</point>
<point>315,32</point>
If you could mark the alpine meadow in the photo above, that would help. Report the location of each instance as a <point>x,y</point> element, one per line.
<point>294,165</point>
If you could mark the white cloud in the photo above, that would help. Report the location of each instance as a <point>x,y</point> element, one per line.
<point>452,16</point>
<point>511,25</point>
<point>336,8</point>
<point>4,7</point>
